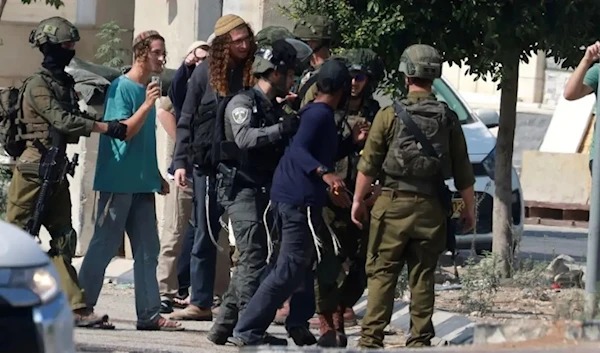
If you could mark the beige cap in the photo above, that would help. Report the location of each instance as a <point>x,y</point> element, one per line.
<point>197,44</point>
<point>227,23</point>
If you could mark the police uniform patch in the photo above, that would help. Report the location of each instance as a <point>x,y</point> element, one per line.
<point>240,115</point>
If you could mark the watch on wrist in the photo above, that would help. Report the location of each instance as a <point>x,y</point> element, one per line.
<point>322,170</point>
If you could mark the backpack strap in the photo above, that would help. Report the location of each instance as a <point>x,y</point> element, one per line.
<point>414,129</point>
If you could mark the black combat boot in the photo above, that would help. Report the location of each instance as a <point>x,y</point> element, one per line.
<point>327,333</point>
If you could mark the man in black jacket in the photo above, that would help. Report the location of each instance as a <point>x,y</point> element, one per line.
<point>216,77</point>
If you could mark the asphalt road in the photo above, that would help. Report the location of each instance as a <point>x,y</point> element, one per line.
<point>539,243</point>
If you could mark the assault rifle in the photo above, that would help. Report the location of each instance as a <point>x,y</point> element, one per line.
<point>53,169</point>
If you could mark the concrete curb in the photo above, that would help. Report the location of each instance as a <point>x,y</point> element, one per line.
<point>519,331</point>
<point>450,328</point>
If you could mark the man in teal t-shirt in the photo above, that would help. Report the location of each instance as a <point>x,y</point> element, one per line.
<point>127,178</point>
<point>128,166</point>
<point>584,81</point>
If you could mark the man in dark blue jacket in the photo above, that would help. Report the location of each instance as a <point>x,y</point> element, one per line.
<point>298,193</point>
<point>177,238</point>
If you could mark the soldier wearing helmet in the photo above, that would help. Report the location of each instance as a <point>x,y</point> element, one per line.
<point>413,146</point>
<point>50,115</point>
<point>318,32</point>
<point>337,292</point>
<point>256,131</point>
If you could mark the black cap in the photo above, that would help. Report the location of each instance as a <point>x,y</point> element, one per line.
<point>334,76</point>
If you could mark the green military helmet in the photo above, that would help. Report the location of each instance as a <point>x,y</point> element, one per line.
<point>288,53</point>
<point>266,36</point>
<point>314,27</point>
<point>54,30</point>
<point>365,60</point>
<point>421,61</point>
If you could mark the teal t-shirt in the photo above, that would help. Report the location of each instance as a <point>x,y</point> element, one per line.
<point>591,80</point>
<point>127,167</point>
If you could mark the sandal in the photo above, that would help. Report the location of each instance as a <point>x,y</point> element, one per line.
<point>181,303</point>
<point>90,320</point>
<point>162,324</point>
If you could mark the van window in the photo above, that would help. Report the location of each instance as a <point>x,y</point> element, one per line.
<point>445,93</point>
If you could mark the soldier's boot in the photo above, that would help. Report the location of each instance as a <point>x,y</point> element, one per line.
<point>338,323</point>
<point>302,336</point>
<point>327,333</point>
<point>219,334</point>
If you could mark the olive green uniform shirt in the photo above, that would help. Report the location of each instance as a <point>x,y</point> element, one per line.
<point>380,137</point>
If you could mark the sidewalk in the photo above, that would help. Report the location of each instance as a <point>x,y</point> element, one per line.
<point>451,328</point>
<point>486,101</point>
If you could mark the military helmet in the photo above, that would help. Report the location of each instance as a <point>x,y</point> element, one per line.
<point>314,27</point>
<point>266,36</point>
<point>281,55</point>
<point>54,30</point>
<point>365,60</point>
<point>421,61</point>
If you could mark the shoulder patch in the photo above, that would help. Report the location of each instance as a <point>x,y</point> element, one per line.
<point>240,115</point>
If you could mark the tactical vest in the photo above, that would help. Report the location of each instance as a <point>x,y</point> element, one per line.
<point>346,167</point>
<point>63,91</point>
<point>260,162</point>
<point>405,162</point>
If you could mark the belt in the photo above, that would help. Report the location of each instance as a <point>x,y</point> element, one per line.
<point>394,193</point>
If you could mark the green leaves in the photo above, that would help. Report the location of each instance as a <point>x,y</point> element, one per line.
<point>480,33</point>
<point>111,50</point>
<point>55,3</point>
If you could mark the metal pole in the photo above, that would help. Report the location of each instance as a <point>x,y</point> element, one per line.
<point>592,280</point>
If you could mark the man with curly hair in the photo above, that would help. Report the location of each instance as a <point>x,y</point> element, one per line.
<point>127,178</point>
<point>227,70</point>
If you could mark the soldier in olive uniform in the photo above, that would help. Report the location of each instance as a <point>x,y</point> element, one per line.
<point>318,32</point>
<point>50,107</point>
<point>258,129</point>
<point>408,220</point>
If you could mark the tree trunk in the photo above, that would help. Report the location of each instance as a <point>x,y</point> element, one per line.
<point>502,218</point>
<point>2,4</point>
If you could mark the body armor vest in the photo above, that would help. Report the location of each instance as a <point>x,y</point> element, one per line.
<point>346,167</point>
<point>63,91</point>
<point>406,162</point>
<point>260,162</point>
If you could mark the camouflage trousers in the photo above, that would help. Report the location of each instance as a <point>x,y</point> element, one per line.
<point>340,279</point>
<point>22,198</point>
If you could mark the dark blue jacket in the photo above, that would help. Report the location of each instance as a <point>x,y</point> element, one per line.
<point>315,144</point>
<point>177,92</point>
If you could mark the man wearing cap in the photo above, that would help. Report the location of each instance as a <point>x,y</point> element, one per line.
<point>216,77</point>
<point>177,226</point>
<point>336,289</point>
<point>298,194</point>
<point>409,219</point>
<point>127,178</point>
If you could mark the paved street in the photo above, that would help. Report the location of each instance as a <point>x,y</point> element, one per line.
<point>542,243</point>
<point>117,300</point>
